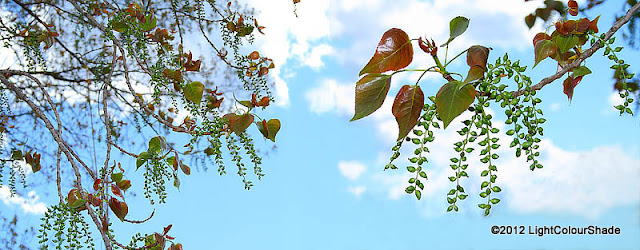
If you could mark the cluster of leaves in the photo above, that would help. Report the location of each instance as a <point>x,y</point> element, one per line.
<point>480,88</point>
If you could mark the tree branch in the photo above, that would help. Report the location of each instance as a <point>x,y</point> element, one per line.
<point>586,54</point>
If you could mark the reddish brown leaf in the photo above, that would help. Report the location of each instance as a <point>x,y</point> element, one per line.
<point>394,52</point>
<point>540,36</point>
<point>254,55</point>
<point>593,25</point>
<point>174,75</point>
<point>179,246</point>
<point>185,169</point>
<point>560,29</point>
<point>167,228</point>
<point>583,25</point>
<point>96,184</point>
<point>407,108</point>
<point>570,26</point>
<point>573,7</point>
<point>569,84</point>
<point>120,209</point>
<point>116,190</point>
<point>477,56</point>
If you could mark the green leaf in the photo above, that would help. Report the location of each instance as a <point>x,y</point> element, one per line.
<point>407,108</point>
<point>453,99</point>
<point>157,145</point>
<point>371,90</point>
<point>247,104</point>
<point>16,155</point>
<point>78,203</point>
<point>475,73</point>
<point>544,49</point>
<point>418,194</point>
<point>142,158</point>
<point>565,43</point>
<point>116,177</point>
<point>457,26</point>
<point>581,71</point>
<point>394,52</point>
<point>193,92</point>
<point>149,23</point>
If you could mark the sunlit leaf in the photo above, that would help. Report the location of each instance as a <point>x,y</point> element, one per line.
<point>453,99</point>
<point>565,43</point>
<point>544,49</point>
<point>457,27</point>
<point>193,92</point>
<point>238,123</point>
<point>394,52</point>
<point>371,90</point>
<point>407,107</point>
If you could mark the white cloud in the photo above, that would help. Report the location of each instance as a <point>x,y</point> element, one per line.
<point>29,204</point>
<point>332,96</point>
<point>357,191</point>
<point>555,106</point>
<point>351,169</point>
<point>313,58</point>
<point>586,183</point>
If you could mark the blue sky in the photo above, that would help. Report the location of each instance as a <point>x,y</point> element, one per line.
<point>325,188</point>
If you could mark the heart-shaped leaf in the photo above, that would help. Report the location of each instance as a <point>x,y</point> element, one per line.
<point>269,129</point>
<point>457,26</point>
<point>565,43</point>
<point>453,99</point>
<point>157,145</point>
<point>394,52</point>
<point>477,55</point>
<point>74,199</point>
<point>371,90</point>
<point>119,208</point>
<point>124,184</point>
<point>238,123</point>
<point>544,49</point>
<point>407,107</point>
<point>193,92</point>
